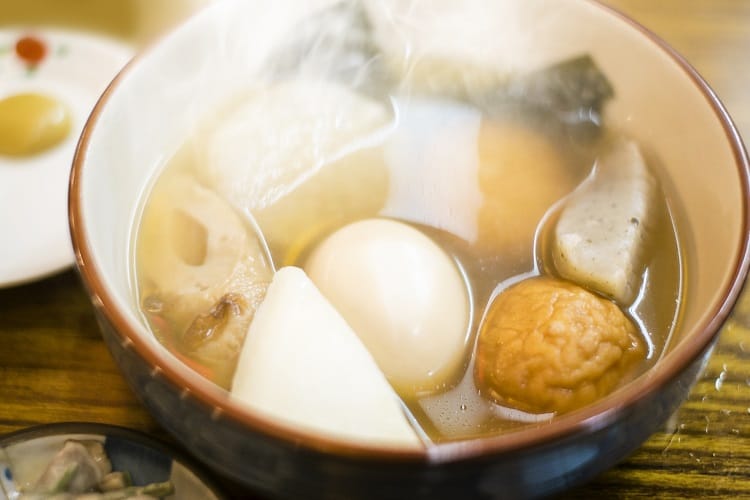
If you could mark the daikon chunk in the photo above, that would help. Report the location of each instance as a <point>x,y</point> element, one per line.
<point>302,364</point>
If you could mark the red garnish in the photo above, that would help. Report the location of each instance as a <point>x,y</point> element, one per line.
<point>31,50</point>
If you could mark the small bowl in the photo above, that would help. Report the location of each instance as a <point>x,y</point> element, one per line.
<point>660,101</point>
<point>25,454</point>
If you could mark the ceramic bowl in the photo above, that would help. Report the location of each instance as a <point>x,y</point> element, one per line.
<point>25,454</point>
<point>660,101</point>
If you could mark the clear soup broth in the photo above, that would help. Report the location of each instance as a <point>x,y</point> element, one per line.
<point>385,240</point>
<point>486,186</point>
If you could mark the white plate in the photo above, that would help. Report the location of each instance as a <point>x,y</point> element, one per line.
<point>77,67</point>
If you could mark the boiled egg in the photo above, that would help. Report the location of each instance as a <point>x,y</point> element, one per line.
<point>403,296</point>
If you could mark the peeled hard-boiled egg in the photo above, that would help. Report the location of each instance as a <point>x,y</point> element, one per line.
<point>404,297</point>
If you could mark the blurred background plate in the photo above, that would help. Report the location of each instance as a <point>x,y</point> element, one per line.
<point>24,455</point>
<point>68,51</point>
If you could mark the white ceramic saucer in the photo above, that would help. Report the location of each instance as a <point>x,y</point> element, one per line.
<point>75,69</point>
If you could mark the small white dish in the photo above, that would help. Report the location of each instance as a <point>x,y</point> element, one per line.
<point>75,69</point>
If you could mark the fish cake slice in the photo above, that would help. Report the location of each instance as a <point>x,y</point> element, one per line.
<point>603,228</point>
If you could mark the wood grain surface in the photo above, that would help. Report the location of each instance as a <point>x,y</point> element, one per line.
<point>54,366</point>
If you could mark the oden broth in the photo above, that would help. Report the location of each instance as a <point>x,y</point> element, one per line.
<point>496,230</point>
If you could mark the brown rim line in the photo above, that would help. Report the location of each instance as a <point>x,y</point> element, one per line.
<point>592,417</point>
<point>723,309</point>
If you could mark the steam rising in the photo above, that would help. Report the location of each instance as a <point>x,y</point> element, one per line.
<point>332,79</point>
<point>378,46</point>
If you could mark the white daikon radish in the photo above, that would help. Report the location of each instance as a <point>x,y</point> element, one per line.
<point>282,135</point>
<point>302,364</point>
<point>602,231</point>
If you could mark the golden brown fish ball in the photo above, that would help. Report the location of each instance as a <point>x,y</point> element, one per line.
<point>548,345</point>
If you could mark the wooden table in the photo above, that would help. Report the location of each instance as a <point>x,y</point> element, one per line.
<point>54,366</point>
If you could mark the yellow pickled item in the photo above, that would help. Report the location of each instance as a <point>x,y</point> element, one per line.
<point>32,123</point>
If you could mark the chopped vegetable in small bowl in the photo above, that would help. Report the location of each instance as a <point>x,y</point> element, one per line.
<point>76,461</point>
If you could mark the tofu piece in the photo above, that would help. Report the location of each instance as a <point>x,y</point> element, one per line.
<point>433,166</point>
<point>603,228</point>
<point>303,365</point>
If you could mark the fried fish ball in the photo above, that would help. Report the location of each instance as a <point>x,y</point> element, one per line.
<point>551,346</point>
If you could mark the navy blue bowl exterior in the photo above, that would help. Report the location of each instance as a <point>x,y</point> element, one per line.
<point>145,465</point>
<point>281,468</point>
